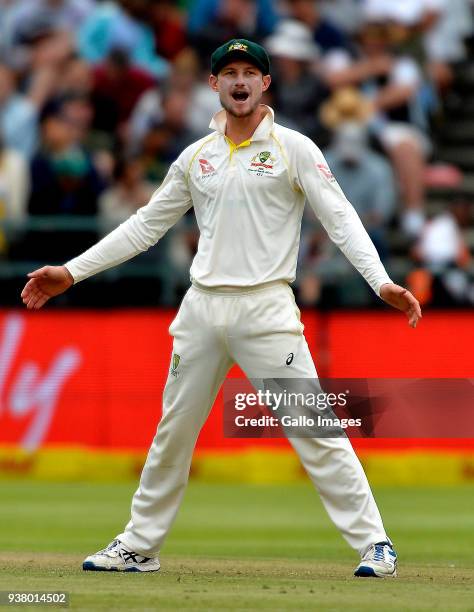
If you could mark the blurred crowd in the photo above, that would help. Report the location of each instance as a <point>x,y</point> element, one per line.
<point>97,98</point>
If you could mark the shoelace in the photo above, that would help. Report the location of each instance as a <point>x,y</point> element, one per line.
<point>127,555</point>
<point>379,552</point>
<point>112,546</point>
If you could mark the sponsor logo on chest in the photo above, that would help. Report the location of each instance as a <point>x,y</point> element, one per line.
<point>262,164</point>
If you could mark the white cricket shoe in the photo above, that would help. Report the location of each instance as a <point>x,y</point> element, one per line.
<point>117,558</point>
<point>379,561</point>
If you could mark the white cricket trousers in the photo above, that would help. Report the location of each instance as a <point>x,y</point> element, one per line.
<point>256,328</point>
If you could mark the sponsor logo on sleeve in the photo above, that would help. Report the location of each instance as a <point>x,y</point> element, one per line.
<point>326,172</point>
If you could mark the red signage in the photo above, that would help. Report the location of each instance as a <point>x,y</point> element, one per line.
<point>95,378</point>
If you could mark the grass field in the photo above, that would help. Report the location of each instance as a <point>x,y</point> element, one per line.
<point>238,547</point>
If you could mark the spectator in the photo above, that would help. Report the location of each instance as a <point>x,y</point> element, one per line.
<point>297,90</point>
<point>122,80</point>
<point>366,178</point>
<point>117,87</point>
<point>129,192</point>
<point>169,29</point>
<point>212,22</point>
<point>18,116</point>
<point>201,103</point>
<point>14,188</point>
<point>28,16</point>
<point>326,34</point>
<point>393,83</point>
<point>63,179</point>
<point>27,22</point>
<point>147,113</point>
<point>204,104</point>
<point>344,14</point>
<point>64,182</point>
<point>121,25</point>
<point>76,78</point>
<point>441,249</point>
<point>74,96</point>
<point>322,270</point>
<point>447,25</point>
<point>168,135</point>
<point>268,98</point>
<point>48,61</point>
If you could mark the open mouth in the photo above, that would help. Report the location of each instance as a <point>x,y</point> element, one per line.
<point>240,96</point>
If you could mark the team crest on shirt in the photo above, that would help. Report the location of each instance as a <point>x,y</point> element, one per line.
<point>207,169</point>
<point>326,172</point>
<point>262,163</point>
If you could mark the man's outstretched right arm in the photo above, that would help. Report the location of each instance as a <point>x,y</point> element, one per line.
<point>142,230</point>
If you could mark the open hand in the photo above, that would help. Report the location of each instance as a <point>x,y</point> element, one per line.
<point>45,283</point>
<point>401,298</point>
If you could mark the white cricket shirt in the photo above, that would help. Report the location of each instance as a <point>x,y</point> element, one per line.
<point>248,201</point>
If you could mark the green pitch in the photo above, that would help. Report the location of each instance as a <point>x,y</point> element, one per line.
<point>238,547</point>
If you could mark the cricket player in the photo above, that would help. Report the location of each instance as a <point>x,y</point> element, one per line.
<point>248,182</point>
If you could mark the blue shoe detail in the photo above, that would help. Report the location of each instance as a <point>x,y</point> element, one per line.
<point>88,566</point>
<point>363,571</point>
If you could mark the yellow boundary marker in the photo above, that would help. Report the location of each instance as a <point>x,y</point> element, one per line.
<point>251,465</point>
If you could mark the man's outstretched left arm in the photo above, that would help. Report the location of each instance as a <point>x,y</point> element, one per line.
<point>345,228</point>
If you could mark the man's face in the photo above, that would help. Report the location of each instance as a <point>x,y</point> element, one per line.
<point>240,86</point>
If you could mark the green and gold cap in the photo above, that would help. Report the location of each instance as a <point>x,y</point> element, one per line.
<point>240,49</point>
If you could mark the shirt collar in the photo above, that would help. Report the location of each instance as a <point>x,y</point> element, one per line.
<point>262,131</point>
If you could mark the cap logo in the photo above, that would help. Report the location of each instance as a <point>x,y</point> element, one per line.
<point>238,47</point>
